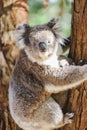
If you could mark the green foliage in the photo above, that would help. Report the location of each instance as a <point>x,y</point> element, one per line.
<point>35,6</point>
<point>59,8</point>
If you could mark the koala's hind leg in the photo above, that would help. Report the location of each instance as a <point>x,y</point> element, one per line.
<point>50,116</point>
<point>67,119</point>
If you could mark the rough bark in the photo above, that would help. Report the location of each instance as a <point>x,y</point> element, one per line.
<point>77,98</point>
<point>12,12</point>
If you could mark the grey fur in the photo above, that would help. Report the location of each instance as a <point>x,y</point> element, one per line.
<point>34,79</point>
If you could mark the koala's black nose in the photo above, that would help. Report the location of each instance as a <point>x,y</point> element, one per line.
<point>42,46</point>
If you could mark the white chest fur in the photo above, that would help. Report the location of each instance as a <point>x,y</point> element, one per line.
<point>52,61</point>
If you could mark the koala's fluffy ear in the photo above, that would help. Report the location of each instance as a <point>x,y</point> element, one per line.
<point>21,35</point>
<point>53,23</point>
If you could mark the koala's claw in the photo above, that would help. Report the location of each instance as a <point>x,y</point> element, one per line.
<point>68,118</point>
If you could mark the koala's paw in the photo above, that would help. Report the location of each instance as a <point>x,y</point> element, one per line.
<point>68,118</point>
<point>63,62</point>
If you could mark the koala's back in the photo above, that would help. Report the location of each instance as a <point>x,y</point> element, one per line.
<point>26,91</point>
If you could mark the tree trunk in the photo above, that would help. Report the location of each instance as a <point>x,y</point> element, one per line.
<point>12,12</point>
<point>77,98</point>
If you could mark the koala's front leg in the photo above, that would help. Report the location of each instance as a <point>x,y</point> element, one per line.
<point>65,78</point>
<point>62,78</point>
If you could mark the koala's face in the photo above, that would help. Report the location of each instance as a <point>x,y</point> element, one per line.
<point>42,44</point>
<point>39,42</point>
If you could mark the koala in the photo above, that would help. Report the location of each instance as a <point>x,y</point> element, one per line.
<point>37,75</point>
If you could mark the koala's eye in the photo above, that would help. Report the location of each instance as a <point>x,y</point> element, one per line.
<point>48,41</point>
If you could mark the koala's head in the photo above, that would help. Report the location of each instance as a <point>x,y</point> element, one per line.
<point>39,42</point>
